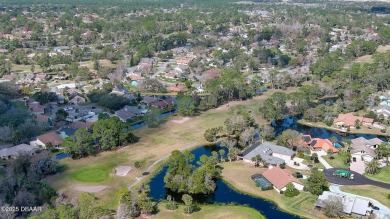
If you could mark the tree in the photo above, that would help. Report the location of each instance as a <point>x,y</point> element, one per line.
<point>289,138</point>
<point>257,159</point>
<point>212,134</point>
<point>88,206</point>
<point>186,106</point>
<point>333,207</point>
<point>383,151</point>
<point>222,154</point>
<point>372,167</point>
<point>79,145</point>
<point>291,191</point>
<point>137,164</point>
<point>187,199</point>
<point>316,183</point>
<point>152,117</point>
<point>267,132</point>
<point>357,124</point>
<point>61,115</point>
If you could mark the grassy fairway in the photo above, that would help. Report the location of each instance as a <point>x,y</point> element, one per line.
<point>383,175</point>
<point>374,192</point>
<point>98,173</point>
<point>239,176</point>
<point>211,211</point>
<point>153,145</point>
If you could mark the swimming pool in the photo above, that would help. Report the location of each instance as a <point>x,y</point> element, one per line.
<point>337,145</point>
<point>61,156</point>
<point>263,183</point>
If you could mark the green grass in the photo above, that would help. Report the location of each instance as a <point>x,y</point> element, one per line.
<point>98,173</point>
<point>338,161</point>
<point>383,175</point>
<point>211,211</point>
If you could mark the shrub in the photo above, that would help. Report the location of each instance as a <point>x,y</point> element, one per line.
<point>283,166</point>
<point>300,154</point>
<point>388,196</point>
<point>383,130</point>
<point>328,122</point>
<point>331,157</point>
<point>291,191</point>
<point>171,206</point>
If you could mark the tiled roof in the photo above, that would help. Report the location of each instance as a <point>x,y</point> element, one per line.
<point>279,178</point>
<point>349,119</point>
<point>52,137</point>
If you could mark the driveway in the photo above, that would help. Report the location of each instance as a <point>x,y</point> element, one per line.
<point>358,179</point>
<point>383,212</point>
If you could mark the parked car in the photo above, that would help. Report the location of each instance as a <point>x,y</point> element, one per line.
<point>298,175</point>
<point>375,207</point>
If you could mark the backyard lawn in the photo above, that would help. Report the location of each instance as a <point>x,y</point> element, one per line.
<point>383,175</point>
<point>338,161</point>
<point>238,175</point>
<point>210,211</point>
<point>374,192</point>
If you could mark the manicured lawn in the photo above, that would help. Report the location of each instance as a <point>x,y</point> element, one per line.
<point>374,192</point>
<point>98,173</point>
<point>383,175</point>
<point>210,211</point>
<point>338,161</point>
<point>238,175</point>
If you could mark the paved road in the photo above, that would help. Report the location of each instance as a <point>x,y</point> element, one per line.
<point>383,212</point>
<point>147,171</point>
<point>358,179</point>
<point>161,70</point>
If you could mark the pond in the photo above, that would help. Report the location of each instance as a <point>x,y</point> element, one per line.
<point>61,156</point>
<point>224,194</point>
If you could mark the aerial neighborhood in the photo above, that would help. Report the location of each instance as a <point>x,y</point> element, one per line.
<point>194,109</point>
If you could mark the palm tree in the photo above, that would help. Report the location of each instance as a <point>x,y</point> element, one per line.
<point>257,159</point>
<point>372,167</point>
<point>383,151</point>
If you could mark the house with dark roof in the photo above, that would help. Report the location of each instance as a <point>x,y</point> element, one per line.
<point>362,152</point>
<point>279,178</point>
<point>128,112</point>
<point>270,153</point>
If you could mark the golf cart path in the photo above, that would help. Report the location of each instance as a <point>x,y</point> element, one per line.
<point>383,212</point>
<point>358,179</point>
<point>139,179</point>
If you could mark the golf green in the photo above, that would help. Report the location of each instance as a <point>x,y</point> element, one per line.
<point>98,173</point>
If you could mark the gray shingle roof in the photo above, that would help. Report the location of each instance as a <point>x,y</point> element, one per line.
<point>265,150</point>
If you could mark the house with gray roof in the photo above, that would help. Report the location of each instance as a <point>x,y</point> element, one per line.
<point>270,153</point>
<point>128,112</point>
<point>14,151</point>
<point>351,205</point>
<point>362,152</point>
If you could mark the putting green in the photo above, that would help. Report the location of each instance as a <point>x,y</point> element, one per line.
<point>98,173</point>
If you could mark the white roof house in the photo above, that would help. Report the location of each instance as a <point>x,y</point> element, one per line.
<point>352,205</point>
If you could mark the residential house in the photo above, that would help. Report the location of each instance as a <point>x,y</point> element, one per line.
<point>177,88</point>
<point>279,178</point>
<point>76,100</point>
<point>349,120</point>
<point>353,205</point>
<point>44,139</point>
<point>382,110</point>
<point>43,119</point>
<point>319,144</point>
<point>81,125</point>
<point>270,153</point>
<point>363,151</point>
<point>14,151</point>
<point>157,102</point>
<point>128,112</point>
<point>36,108</point>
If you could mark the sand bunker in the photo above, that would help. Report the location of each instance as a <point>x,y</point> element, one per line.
<point>92,189</point>
<point>122,170</point>
<point>181,121</point>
